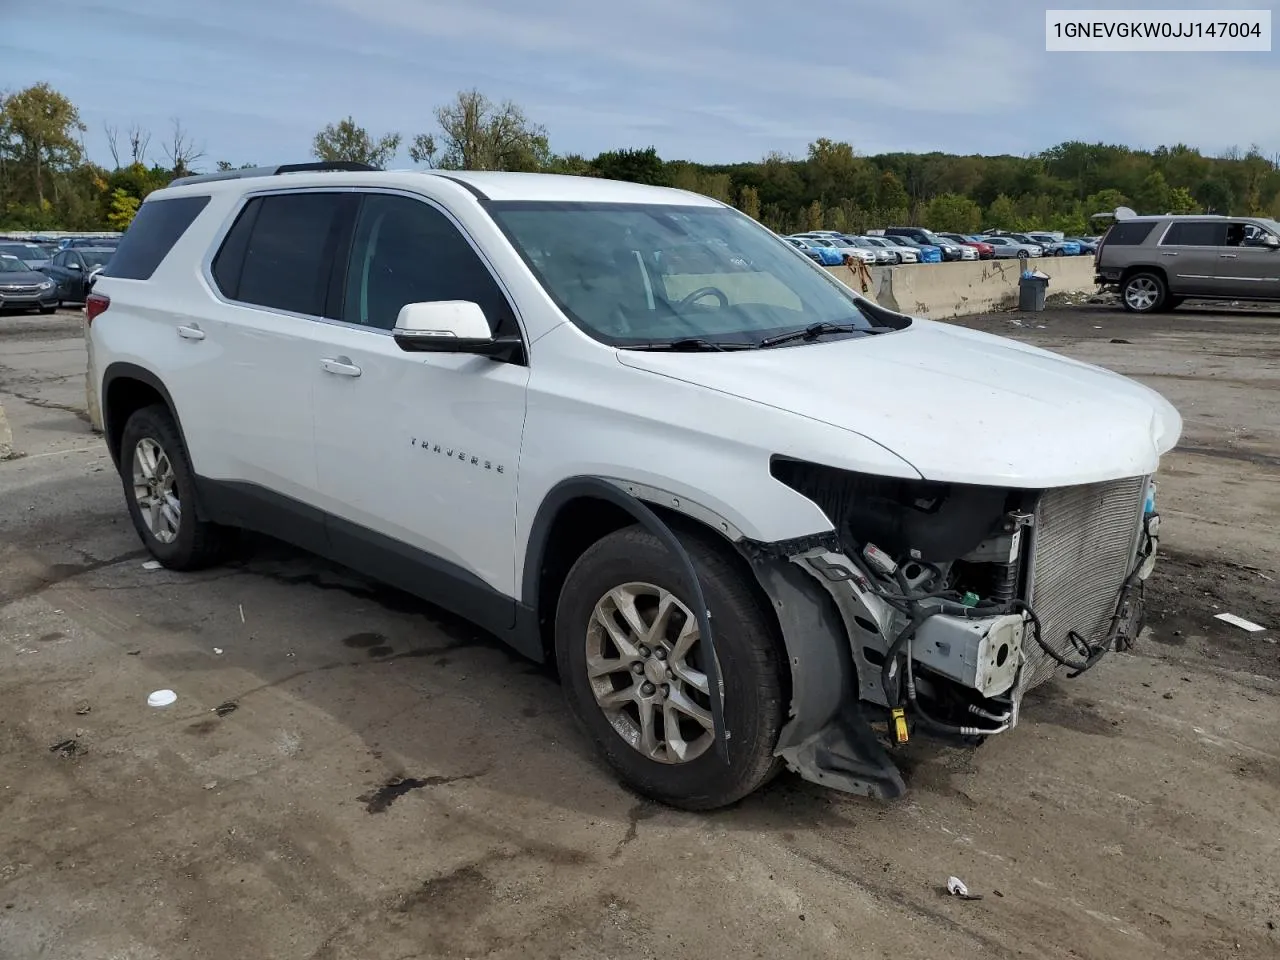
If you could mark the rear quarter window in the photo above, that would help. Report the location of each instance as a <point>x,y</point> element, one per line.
<point>156,228</point>
<point>1129,234</point>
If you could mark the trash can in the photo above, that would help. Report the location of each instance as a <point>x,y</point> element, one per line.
<point>1032,287</point>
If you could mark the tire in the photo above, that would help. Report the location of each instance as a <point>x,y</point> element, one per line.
<point>47,310</point>
<point>1172,303</point>
<point>152,447</point>
<point>1143,292</point>
<point>1059,253</point>
<point>632,568</point>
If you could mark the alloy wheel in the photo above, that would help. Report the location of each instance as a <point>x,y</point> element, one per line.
<point>155,490</point>
<point>645,669</point>
<point>1141,294</point>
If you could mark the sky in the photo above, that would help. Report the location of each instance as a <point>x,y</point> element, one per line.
<point>715,81</point>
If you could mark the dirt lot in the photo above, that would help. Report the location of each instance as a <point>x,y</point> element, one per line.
<point>347,773</point>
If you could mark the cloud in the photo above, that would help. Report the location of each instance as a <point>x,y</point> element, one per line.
<point>711,80</point>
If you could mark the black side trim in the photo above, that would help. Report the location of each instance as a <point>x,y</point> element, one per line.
<point>469,187</point>
<point>372,554</point>
<point>594,487</point>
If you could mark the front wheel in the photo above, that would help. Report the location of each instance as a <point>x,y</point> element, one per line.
<point>635,669</point>
<point>1143,293</point>
<point>159,487</point>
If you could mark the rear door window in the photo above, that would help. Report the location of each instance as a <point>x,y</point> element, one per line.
<point>156,228</point>
<point>1129,234</point>
<point>280,251</point>
<point>1204,233</point>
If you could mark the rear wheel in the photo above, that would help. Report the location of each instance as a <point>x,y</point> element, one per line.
<point>1172,303</point>
<point>159,488</point>
<point>1143,293</point>
<point>635,669</point>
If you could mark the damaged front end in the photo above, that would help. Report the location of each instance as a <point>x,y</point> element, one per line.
<point>947,603</point>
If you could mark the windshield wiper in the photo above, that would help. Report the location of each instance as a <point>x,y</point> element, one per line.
<point>816,330</point>
<point>691,345</point>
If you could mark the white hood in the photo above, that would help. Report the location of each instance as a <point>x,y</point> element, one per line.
<point>958,405</point>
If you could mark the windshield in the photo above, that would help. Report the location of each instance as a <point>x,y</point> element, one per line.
<point>95,258</point>
<point>631,275</point>
<point>12,265</point>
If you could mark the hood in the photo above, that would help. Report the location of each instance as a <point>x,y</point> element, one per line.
<point>22,277</point>
<point>958,405</point>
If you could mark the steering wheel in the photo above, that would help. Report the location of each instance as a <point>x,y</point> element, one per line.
<point>705,292</point>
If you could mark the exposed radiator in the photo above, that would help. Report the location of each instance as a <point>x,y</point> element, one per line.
<point>1083,541</point>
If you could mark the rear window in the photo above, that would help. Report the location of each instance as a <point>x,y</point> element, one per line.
<point>1130,233</point>
<point>1202,234</point>
<point>154,231</point>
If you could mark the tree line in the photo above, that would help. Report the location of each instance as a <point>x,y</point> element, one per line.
<point>47,180</point>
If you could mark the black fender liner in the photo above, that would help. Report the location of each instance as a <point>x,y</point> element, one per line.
<point>828,739</point>
<point>595,487</point>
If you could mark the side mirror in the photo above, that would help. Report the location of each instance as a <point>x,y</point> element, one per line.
<point>451,326</point>
<point>73,266</point>
<point>1271,241</point>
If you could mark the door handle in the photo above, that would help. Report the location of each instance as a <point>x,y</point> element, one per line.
<point>190,332</point>
<point>1168,254</point>
<point>1228,256</point>
<point>342,366</point>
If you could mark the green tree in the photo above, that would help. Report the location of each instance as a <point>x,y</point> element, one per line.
<point>953,213</point>
<point>1104,201</point>
<point>814,216</point>
<point>38,136</point>
<point>633,166</point>
<point>1003,214</point>
<point>477,134</point>
<point>890,193</point>
<point>1215,195</point>
<point>1181,201</point>
<point>749,202</point>
<point>349,142</point>
<point>124,207</point>
<point>1153,195</point>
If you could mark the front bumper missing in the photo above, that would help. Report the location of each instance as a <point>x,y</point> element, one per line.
<point>837,639</point>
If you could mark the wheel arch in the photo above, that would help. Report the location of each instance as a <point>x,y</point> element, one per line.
<point>127,388</point>
<point>1136,268</point>
<point>576,513</point>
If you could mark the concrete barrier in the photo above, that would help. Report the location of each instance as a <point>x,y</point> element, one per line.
<point>6,436</point>
<point>943,290</point>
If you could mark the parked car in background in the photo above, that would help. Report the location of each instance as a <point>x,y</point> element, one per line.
<point>848,247</point>
<point>949,249</point>
<point>74,271</point>
<point>928,252</point>
<point>828,254</point>
<point>1005,248</point>
<point>884,256</point>
<point>1086,245</point>
<point>33,255</point>
<point>1054,246</point>
<point>982,249</point>
<point>904,253</point>
<point>811,252</point>
<point>76,243</point>
<point>22,288</point>
<point>1156,262</point>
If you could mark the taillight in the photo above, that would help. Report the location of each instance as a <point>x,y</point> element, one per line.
<point>95,304</point>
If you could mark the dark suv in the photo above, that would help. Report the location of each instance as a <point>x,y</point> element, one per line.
<point>1157,262</point>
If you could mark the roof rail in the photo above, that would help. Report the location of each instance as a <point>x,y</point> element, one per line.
<point>317,166</point>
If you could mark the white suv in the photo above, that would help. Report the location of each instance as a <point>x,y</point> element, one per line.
<point>756,519</point>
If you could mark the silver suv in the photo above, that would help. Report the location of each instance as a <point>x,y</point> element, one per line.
<point>1157,262</point>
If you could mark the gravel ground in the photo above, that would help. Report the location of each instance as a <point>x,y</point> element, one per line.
<point>349,773</point>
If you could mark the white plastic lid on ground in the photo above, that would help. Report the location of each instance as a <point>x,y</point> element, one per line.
<point>161,698</point>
